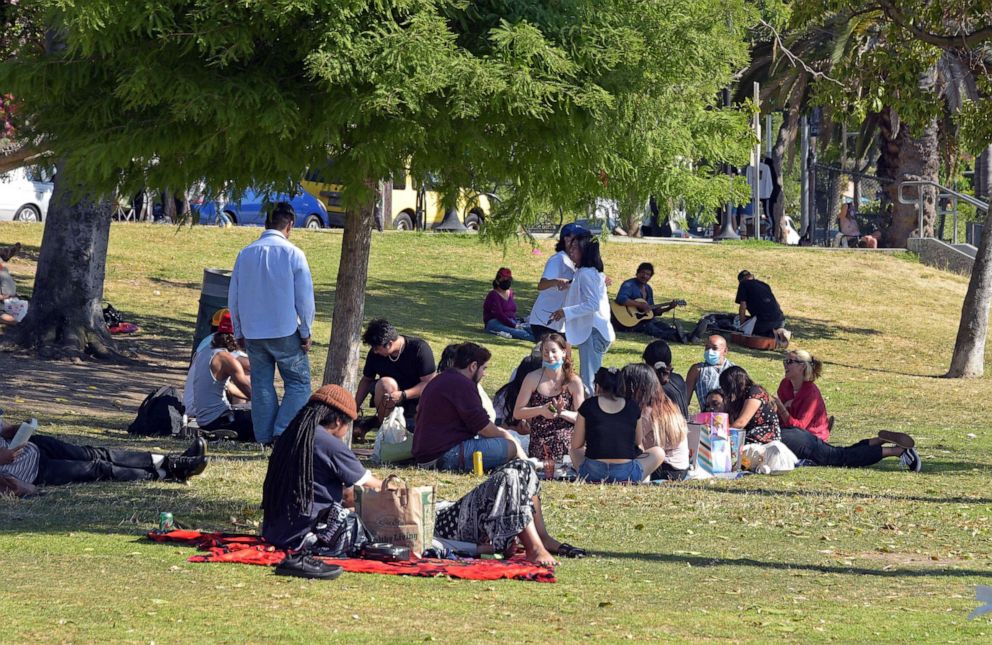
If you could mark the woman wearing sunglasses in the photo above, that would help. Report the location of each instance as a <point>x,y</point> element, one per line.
<point>805,426</point>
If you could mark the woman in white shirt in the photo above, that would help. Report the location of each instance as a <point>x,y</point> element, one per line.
<point>557,276</point>
<point>587,310</point>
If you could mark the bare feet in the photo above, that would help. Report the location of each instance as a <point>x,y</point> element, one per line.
<point>540,556</point>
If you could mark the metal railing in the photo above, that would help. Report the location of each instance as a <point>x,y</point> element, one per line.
<point>943,195</point>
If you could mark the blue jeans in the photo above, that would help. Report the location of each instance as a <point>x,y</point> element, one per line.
<point>591,357</point>
<point>495,452</point>
<point>269,418</point>
<point>494,326</point>
<point>600,471</point>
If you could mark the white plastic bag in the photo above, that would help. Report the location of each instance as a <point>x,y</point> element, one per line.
<point>772,458</point>
<point>392,433</point>
<point>748,327</point>
<point>16,307</point>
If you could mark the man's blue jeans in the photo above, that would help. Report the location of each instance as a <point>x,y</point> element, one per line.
<point>268,417</point>
<point>591,358</point>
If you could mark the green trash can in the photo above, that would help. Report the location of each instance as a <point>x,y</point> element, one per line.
<point>213,296</point>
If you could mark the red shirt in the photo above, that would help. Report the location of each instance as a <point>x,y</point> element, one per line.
<point>806,408</point>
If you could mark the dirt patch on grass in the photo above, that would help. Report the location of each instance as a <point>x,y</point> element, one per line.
<point>91,388</point>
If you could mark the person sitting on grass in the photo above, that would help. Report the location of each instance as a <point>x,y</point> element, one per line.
<point>661,423</point>
<point>8,288</point>
<point>502,511</point>
<point>714,401</point>
<point>705,376</point>
<point>397,368</point>
<point>47,461</point>
<point>549,399</point>
<point>606,436</point>
<point>452,422</point>
<point>499,310</point>
<point>750,407</point>
<point>217,382</point>
<point>505,399</point>
<point>304,487</point>
<point>658,355</point>
<point>806,427</point>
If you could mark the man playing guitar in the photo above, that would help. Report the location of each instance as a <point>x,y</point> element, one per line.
<point>634,308</point>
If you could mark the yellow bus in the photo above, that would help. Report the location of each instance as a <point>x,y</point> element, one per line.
<point>406,207</point>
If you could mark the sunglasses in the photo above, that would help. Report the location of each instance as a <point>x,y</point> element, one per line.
<point>792,361</point>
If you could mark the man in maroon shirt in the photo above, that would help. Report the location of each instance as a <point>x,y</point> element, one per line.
<point>451,422</point>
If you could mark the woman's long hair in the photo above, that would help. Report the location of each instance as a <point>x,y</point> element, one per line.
<point>288,486</point>
<point>736,386</point>
<point>589,254</point>
<point>511,390</point>
<point>639,383</point>
<point>659,356</point>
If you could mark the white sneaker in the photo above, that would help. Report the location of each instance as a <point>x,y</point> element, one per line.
<point>504,334</point>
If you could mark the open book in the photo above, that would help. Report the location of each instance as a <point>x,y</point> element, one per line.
<point>24,433</point>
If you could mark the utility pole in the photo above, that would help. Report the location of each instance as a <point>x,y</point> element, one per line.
<point>756,164</point>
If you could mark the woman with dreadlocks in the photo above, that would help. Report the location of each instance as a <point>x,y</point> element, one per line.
<point>309,469</point>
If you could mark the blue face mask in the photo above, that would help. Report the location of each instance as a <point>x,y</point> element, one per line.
<point>552,366</point>
<point>711,356</point>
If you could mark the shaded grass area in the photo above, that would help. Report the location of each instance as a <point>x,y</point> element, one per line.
<point>819,554</point>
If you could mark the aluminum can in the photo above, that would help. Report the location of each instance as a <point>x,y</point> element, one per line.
<point>477,463</point>
<point>166,522</point>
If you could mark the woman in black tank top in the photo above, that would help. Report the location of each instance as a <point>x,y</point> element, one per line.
<point>605,438</point>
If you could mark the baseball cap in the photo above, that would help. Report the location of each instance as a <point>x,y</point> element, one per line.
<point>218,315</point>
<point>573,228</point>
<point>225,326</point>
<point>504,274</point>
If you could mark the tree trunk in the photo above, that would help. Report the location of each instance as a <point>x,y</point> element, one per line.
<point>65,318</point>
<point>834,199</point>
<point>349,299</point>
<point>901,158</point>
<point>983,174</point>
<point>968,360</point>
<point>786,140</point>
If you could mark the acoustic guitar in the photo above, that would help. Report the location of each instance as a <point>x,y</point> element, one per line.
<point>628,316</point>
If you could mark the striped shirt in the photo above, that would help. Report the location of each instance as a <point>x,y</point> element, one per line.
<point>25,466</point>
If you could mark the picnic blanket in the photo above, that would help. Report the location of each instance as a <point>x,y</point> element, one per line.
<point>251,549</point>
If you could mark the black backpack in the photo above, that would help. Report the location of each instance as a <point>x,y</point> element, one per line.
<point>160,414</point>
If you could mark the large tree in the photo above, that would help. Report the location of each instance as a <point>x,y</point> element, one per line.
<point>529,95</point>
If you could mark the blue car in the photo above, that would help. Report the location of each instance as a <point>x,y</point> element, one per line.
<point>251,209</point>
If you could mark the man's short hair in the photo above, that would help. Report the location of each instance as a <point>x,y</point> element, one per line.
<point>645,266</point>
<point>379,333</point>
<point>282,216</point>
<point>468,353</point>
<point>744,275</point>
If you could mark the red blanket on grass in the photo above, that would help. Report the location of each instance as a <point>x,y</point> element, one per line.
<point>251,549</point>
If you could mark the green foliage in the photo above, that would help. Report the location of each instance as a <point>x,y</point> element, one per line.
<point>537,97</point>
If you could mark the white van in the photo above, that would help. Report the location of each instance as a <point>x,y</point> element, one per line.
<point>24,194</point>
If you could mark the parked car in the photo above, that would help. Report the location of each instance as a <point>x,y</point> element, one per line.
<point>24,194</point>
<point>251,209</point>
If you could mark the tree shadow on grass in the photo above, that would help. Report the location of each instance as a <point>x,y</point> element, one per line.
<point>865,368</point>
<point>703,561</point>
<point>853,495</point>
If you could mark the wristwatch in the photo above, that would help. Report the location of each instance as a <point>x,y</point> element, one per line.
<point>402,396</point>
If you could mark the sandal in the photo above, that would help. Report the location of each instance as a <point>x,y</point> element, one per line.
<point>568,551</point>
<point>900,439</point>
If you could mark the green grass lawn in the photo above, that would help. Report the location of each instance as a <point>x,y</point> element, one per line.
<point>819,554</point>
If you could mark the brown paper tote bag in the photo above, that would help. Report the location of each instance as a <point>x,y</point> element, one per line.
<point>399,514</point>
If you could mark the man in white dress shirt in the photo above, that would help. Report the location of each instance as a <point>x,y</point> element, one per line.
<point>272,308</point>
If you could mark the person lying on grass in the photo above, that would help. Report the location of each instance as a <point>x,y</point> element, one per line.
<point>502,511</point>
<point>47,461</point>
<point>606,439</point>
<point>806,427</point>
<point>661,423</point>
<point>308,472</point>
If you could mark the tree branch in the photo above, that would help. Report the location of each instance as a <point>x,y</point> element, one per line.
<point>16,155</point>
<point>944,41</point>
<point>795,60</point>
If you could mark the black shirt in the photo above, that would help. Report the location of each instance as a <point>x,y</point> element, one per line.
<point>760,300</point>
<point>610,436</point>
<point>675,390</point>
<point>415,362</point>
<point>334,467</point>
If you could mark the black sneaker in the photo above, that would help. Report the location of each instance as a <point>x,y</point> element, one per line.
<point>302,565</point>
<point>911,461</point>
<point>182,468</point>
<point>196,449</point>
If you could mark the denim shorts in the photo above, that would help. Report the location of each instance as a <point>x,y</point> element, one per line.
<point>494,453</point>
<point>600,471</point>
